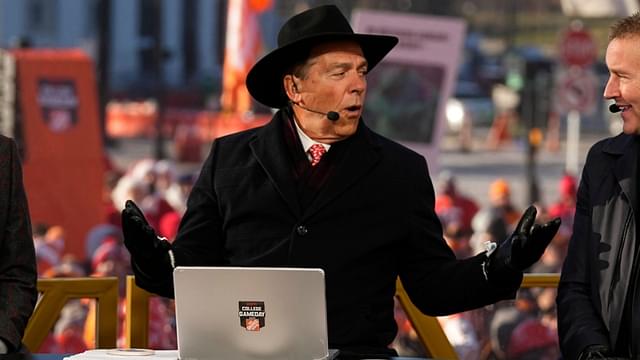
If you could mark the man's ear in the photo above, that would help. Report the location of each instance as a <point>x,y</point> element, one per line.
<point>291,88</point>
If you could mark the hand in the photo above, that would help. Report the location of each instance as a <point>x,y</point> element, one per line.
<point>149,251</point>
<point>526,245</point>
<point>598,352</point>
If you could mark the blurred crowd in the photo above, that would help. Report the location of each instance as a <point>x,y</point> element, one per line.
<point>525,328</point>
<point>521,329</point>
<point>158,188</point>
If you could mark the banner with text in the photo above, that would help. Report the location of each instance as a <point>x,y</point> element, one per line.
<point>408,91</point>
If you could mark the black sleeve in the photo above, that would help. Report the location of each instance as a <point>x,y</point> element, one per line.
<point>437,282</point>
<point>18,274</point>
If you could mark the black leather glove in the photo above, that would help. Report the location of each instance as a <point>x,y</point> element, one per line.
<point>150,253</point>
<point>598,352</point>
<point>524,247</point>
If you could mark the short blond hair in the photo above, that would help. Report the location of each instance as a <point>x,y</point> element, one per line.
<point>625,27</point>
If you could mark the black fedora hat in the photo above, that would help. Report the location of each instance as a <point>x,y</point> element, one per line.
<point>297,35</point>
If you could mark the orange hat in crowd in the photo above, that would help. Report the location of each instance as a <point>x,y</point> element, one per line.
<point>499,189</point>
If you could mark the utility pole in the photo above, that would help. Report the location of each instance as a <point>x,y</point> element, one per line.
<point>158,56</point>
<point>104,63</point>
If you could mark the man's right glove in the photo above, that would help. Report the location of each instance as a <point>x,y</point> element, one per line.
<point>598,352</point>
<point>523,248</point>
<point>150,254</point>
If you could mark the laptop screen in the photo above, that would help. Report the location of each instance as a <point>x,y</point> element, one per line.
<point>250,313</point>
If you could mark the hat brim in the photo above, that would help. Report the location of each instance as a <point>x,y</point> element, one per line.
<point>264,80</point>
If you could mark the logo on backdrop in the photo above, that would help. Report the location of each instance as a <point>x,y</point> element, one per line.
<point>252,315</point>
<point>58,100</point>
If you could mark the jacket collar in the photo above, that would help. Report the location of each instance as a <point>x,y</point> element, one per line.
<point>618,145</point>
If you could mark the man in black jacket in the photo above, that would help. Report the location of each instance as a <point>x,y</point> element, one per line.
<point>317,188</point>
<point>598,299</point>
<point>18,273</point>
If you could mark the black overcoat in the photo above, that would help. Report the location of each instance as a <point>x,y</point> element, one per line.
<point>18,274</point>
<point>597,270</point>
<point>372,221</point>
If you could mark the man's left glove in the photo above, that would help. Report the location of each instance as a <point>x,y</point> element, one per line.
<point>150,253</point>
<point>523,248</point>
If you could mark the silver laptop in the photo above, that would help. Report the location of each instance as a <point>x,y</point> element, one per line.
<point>238,313</point>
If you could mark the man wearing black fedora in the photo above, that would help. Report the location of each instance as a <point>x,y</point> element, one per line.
<point>315,187</point>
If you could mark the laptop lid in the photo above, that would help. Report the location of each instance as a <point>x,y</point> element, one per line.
<point>250,313</point>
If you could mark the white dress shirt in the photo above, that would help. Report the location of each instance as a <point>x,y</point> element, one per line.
<point>307,142</point>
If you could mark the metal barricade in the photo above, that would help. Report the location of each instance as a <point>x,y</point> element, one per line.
<point>427,327</point>
<point>54,294</point>
<point>137,317</point>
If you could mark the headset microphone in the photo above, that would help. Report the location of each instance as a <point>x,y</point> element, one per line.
<point>614,108</point>
<point>331,115</point>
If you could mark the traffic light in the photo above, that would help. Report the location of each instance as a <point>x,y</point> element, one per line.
<point>536,93</point>
<point>514,71</point>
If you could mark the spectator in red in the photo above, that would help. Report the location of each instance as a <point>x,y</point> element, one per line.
<point>96,236</point>
<point>111,258</point>
<point>453,208</point>
<point>565,209</point>
<point>505,320</point>
<point>566,204</point>
<point>66,337</point>
<point>169,225</point>
<point>531,340</point>
<point>153,205</point>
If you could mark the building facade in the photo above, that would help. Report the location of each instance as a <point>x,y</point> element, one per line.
<point>189,33</point>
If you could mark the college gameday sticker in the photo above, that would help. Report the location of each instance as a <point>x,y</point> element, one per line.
<point>252,315</point>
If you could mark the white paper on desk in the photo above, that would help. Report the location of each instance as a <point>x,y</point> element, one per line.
<point>103,354</point>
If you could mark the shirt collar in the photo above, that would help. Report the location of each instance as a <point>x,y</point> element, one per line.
<point>306,140</point>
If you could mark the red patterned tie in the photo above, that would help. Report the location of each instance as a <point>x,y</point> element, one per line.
<point>316,151</point>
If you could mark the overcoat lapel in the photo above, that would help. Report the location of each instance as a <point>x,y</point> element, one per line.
<point>270,149</point>
<point>361,155</point>
<point>622,253</point>
<point>625,169</point>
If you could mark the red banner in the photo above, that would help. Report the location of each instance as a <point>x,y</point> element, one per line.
<point>63,153</point>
